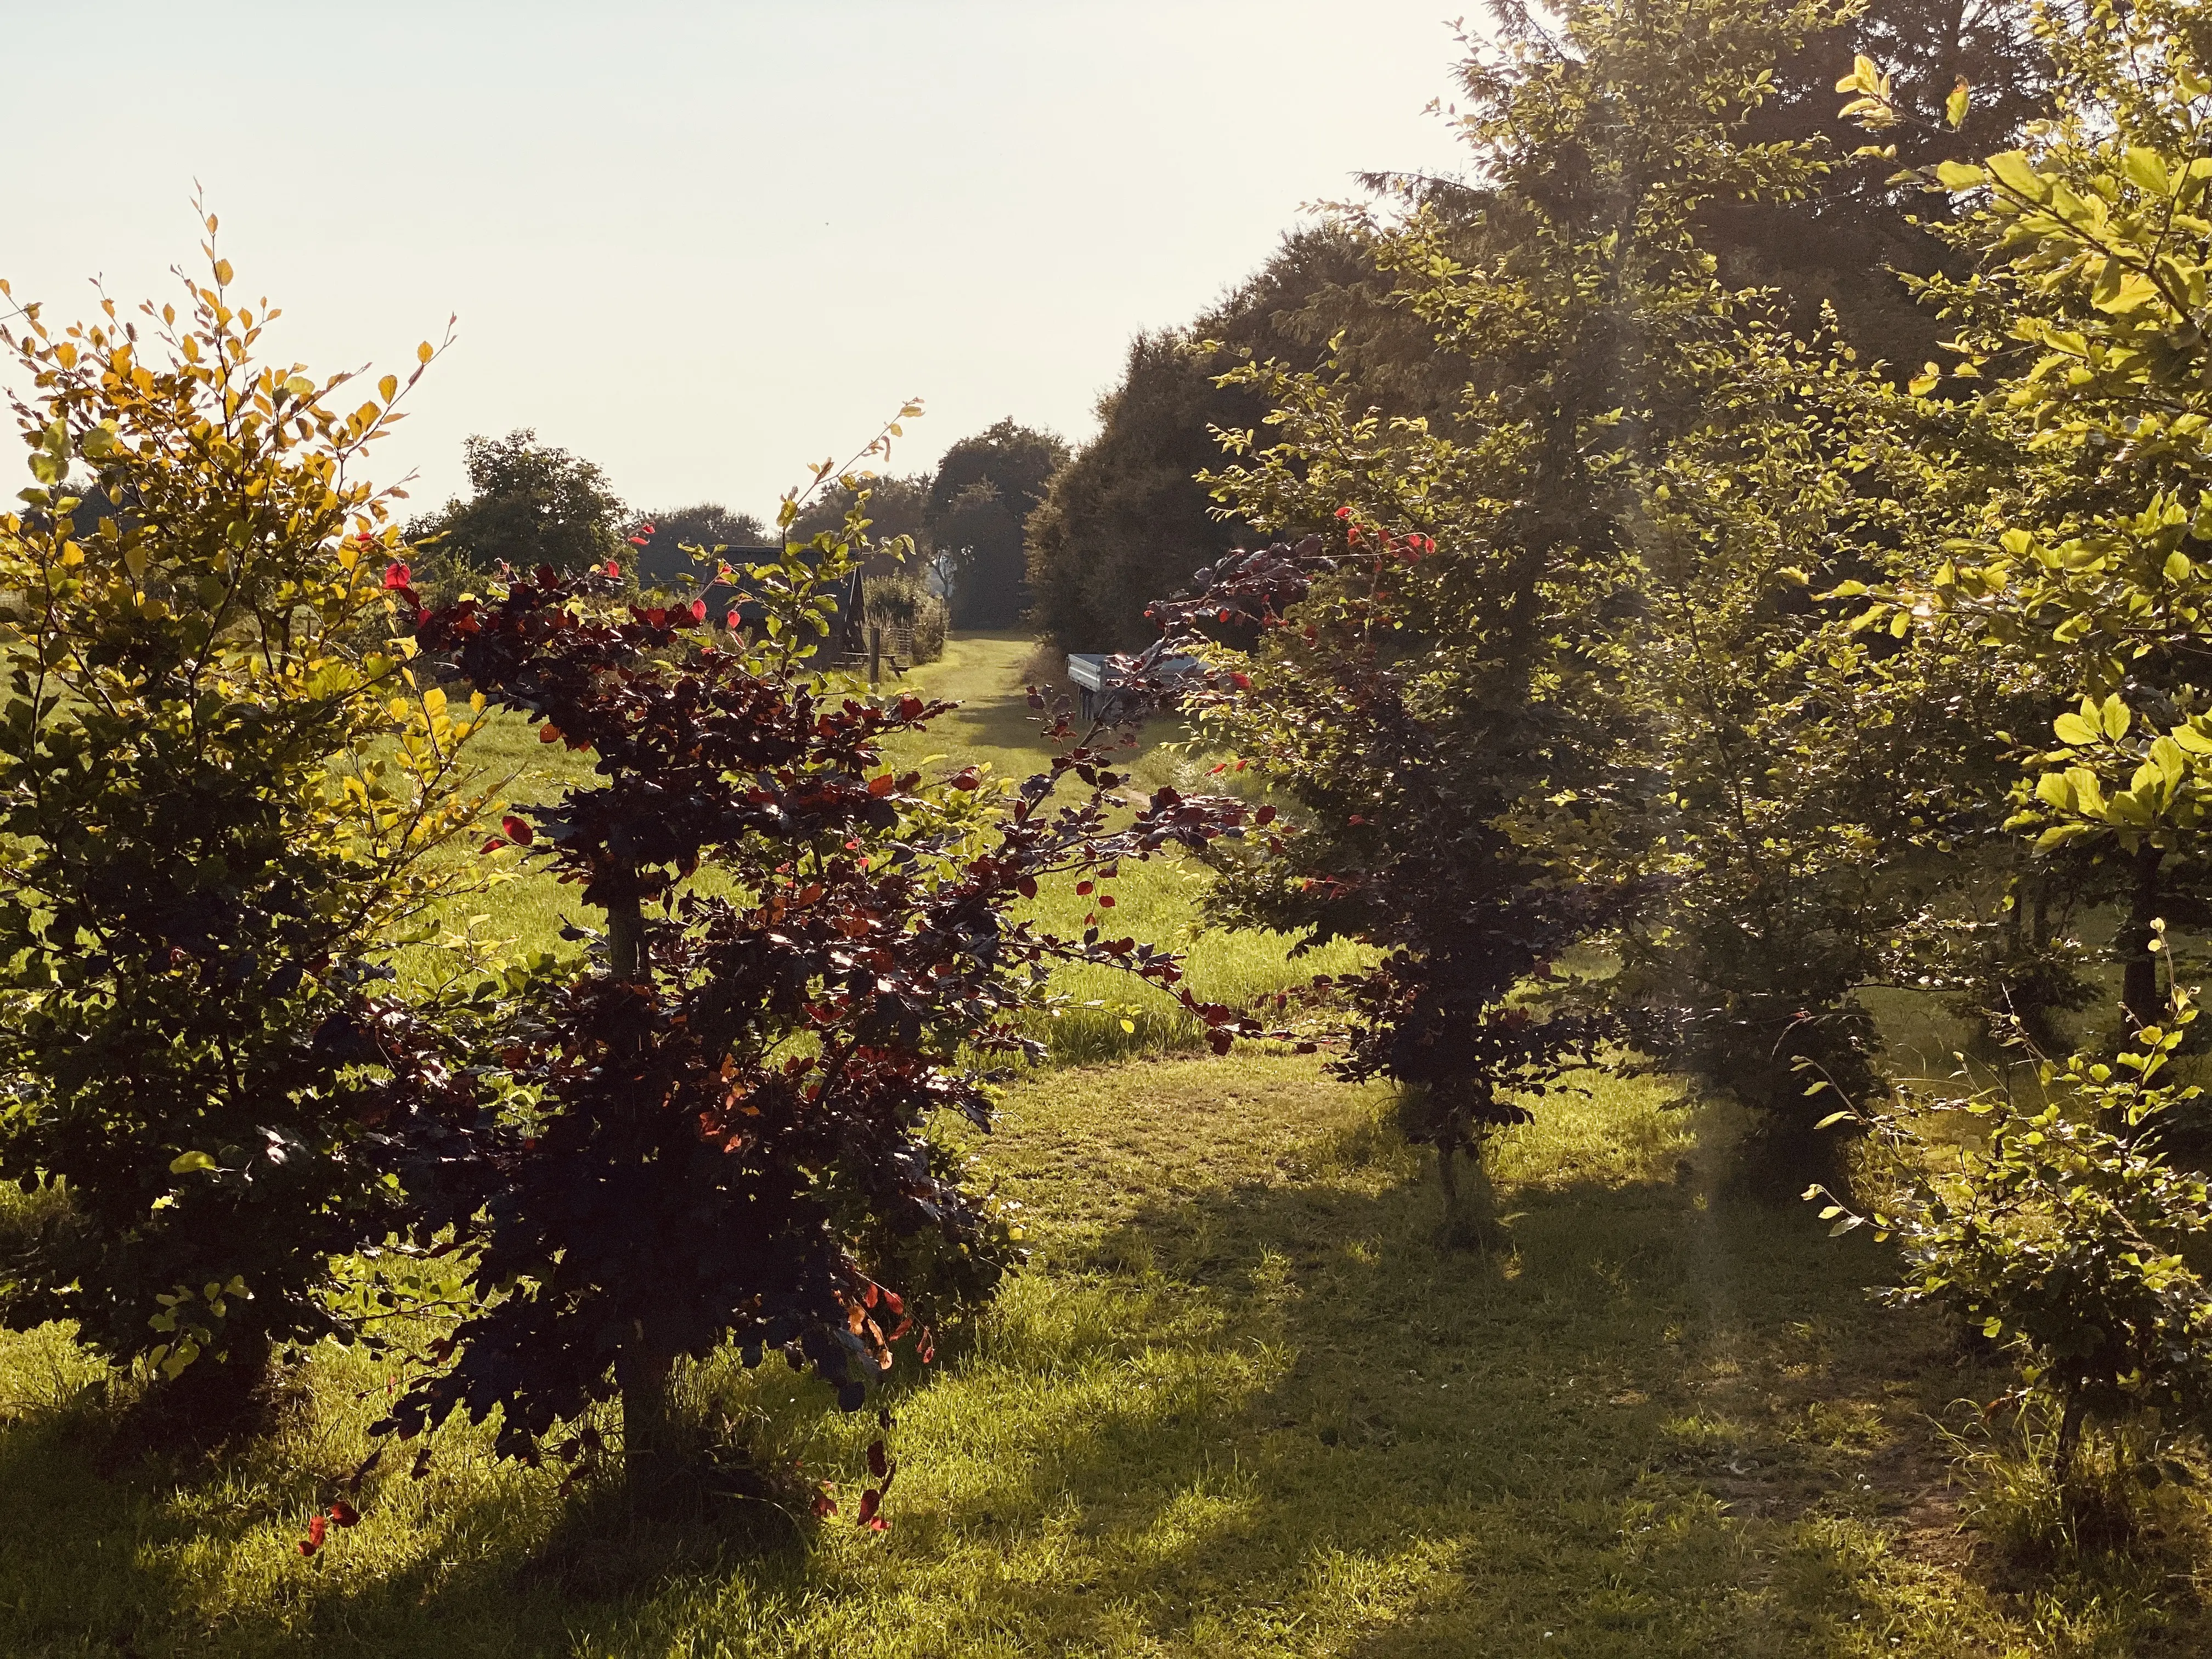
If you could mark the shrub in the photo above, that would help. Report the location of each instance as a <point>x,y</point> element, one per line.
<point>911,617</point>
<point>725,1132</point>
<point>218,788</point>
<point>2067,1236</point>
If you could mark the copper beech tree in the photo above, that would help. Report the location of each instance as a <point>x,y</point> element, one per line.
<point>1403,838</point>
<point>719,1129</point>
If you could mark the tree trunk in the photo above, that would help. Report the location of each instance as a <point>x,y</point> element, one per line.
<point>650,1455</point>
<point>2069,1438</point>
<point>2139,986</point>
<point>875,655</point>
<point>625,940</point>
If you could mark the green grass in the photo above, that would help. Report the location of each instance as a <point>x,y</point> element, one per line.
<point>1156,900</point>
<point>1242,1402</point>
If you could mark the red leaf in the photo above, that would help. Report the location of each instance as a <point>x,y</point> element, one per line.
<point>397,575</point>
<point>640,541</point>
<point>824,1505</point>
<point>549,732</point>
<point>1106,901</point>
<point>492,846</point>
<point>967,778</point>
<point>730,621</point>
<point>318,1528</point>
<point>877,1461</point>
<point>1343,512</point>
<point>1082,889</point>
<point>698,611</point>
<point>614,570</point>
<point>1242,682</point>
<point>882,786</point>
<point>870,1501</point>
<point>1265,815</point>
<point>1027,887</point>
<point>344,1514</point>
<point>517,832</point>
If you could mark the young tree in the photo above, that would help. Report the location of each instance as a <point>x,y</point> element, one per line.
<point>2087,572</point>
<point>726,1128</point>
<point>1455,727</point>
<point>220,780</point>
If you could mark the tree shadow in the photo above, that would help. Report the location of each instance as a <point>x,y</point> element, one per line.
<point>1266,1414</point>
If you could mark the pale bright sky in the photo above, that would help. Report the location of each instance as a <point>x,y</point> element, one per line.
<point>705,243</point>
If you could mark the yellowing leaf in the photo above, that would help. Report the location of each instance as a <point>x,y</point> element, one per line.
<point>2073,729</point>
<point>2115,717</point>
<point>1956,106</point>
<point>185,1163</point>
<point>1959,175</point>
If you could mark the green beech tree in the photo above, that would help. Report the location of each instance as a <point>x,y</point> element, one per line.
<point>220,783</point>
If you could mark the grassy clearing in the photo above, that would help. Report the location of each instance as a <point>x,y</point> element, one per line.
<point>1157,901</point>
<point>1241,1403</point>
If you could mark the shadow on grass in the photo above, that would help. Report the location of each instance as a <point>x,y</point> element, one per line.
<point>1270,1415</point>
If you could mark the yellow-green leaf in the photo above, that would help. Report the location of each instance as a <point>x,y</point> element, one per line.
<point>2166,755</point>
<point>2147,167</point>
<point>2073,729</point>
<point>185,1163</point>
<point>2012,169</point>
<point>2116,716</point>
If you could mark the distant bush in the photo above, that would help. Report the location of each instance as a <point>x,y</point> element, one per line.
<point>913,619</point>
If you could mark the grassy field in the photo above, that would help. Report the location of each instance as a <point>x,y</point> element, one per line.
<point>994,727</point>
<point>1243,1401</point>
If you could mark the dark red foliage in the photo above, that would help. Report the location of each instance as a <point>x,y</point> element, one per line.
<point>734,1098</point>
<point>1398,842</point>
